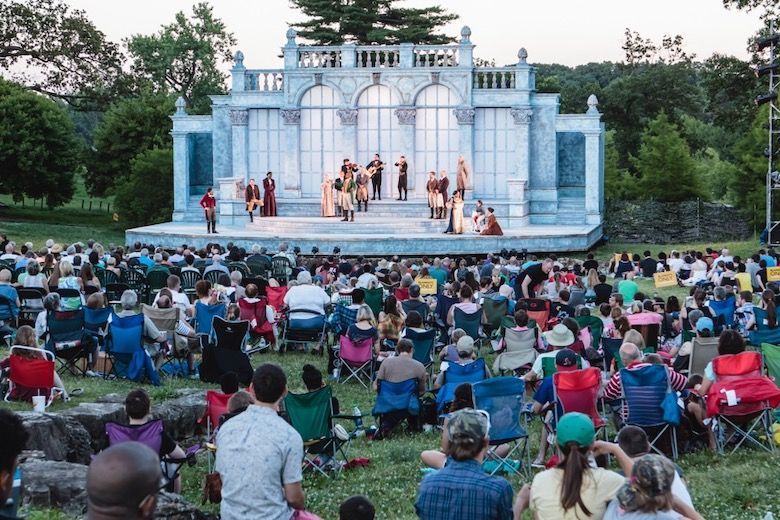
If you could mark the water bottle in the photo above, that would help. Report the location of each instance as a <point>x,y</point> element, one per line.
<point>358,420</point>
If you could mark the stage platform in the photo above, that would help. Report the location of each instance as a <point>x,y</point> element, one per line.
<point>370,235</point>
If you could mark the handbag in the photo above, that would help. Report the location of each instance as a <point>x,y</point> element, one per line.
<point>671,411</point>
<point>212,489</point>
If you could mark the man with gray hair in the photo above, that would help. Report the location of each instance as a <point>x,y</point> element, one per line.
<point>158,265</point>
<point>154,340</point>
<point>283,251</point>
<point>631,357</point>
<point>235,283</point>
<point>9,252</point>
<point>178,257</point>
<point>306,303</point>
<point>216,265</point>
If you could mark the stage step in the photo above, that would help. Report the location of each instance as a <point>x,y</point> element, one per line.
<point>363,224</point>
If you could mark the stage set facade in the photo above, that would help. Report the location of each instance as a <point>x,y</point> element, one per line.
<point>542,171</point>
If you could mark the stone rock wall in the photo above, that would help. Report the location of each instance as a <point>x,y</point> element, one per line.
<point>651,222</point>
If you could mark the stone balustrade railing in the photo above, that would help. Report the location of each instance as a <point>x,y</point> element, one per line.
<point>319,57</point>
<point>436,55</point>
<point>265,80</point>
<point>376,56</point>
<point>494,78</point>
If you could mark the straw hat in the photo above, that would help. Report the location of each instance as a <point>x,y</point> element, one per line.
<point>559,336</point>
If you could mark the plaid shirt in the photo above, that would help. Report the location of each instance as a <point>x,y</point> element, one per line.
<point>463,491</point>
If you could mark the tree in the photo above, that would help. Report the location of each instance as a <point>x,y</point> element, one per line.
<point>747,188</point>
<point>145,195</point>
<point>640,50</point>
<point>64,55</point>
<point>769,8</point>
<point>129,127</point>
<point>664,165</point>
<point>184,57</point>
<point>39,153</point>
<point>730,86</point>
<point>616,180</point>
<point>333,22</point>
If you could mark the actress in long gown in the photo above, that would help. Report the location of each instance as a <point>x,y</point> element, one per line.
<point>326,202</point>
<point>491,224</point>
<point>456,214</point>
<point>269,198</point>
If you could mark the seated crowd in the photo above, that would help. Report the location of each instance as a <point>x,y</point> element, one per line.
<point>383,322</point>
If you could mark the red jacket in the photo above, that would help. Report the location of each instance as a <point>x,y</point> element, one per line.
<point>208,202</point>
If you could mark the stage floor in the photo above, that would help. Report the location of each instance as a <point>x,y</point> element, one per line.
<point>367,235</point>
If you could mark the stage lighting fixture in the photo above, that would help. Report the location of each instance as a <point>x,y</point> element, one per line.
<point>765,98</point>
<point>297,250</point>
<point>763,70</point>
<point>336,250</point>
<point>315,250</point>
<point>766,41</point>
<point>775,176</point>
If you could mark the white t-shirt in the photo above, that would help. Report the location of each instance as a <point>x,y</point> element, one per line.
<point>599,487</point>
<point>675,264</point>
<point>306,297</point>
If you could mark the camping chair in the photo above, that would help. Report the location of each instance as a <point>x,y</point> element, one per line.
<point>188,280</point>
<point>311,414</point>
<point>276,297</point>
<point>519,351</point>
<point>374,298</point>
<point>96,325</point>
<point>763,333</point>
<point>741,420</point>
<point>415,305</point>
<point>724,310</point>
<point>303,335</point>
<point>423,348</point>
<point>469,323</point>
<point>644,390</point>
<point>549,367</point>
<point>126,351</point>
<point>281,269</point>
<point>204,315</point>
<point>771,355</point>
<point>493,312</point>
<point>32,373</point>
<point>578,391</point>
<point>358,359</point>
<point>443,304</point>
<point>227,353</point>
<point>394,403</point>
<point>595,325</point>
<point>167,321</point>
<point>31,300</point>
<point>260,327</point>
<point>216,406</point>
<point>611,348</point>
<point>401,293</point>
<point>454,376</point>
<point>64,336</point>
<point>703,350</point>
<point>341,318</point>
<point>150,434</point>
<point>502,399</point>
<point>539,311</point>
<point>650,333</point>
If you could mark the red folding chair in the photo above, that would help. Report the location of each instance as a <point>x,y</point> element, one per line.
<point>37,374</point>
<point>358,359</point>
<point>539,311</point>
<point>216,406</point>
<point>254,313</point>
<point>742,400</point>
<point>401,294</point>
<point>578,391</point>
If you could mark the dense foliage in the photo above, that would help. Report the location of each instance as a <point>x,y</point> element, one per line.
<point>145,195</point>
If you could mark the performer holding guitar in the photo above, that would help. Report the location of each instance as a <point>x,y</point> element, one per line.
<point>252,197</point>
<point>375,170</point>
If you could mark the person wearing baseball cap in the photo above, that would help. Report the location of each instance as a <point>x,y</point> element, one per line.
<point>544,399</point>
<point>705,327</point>
<point>465,349</point>
<point>575,488</point>
<point>462,490</point>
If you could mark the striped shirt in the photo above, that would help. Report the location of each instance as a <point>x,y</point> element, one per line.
<point>614,389</point>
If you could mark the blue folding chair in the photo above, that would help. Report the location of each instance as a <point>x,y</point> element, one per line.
<point>454,376</point>
<point>724,310</point>
<point>126,349</point>
<point>644,391</point>
<point>64,335</point>
<point>96,324</point>
<point>502,399</point>
<point>397,399</point>
<point>763,333</point>
<point>443,304</point>
<point>204,316</point>
<point>470,322</point>
<point>423,348</point>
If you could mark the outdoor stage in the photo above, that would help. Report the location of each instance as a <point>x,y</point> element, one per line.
<point>389,228</point>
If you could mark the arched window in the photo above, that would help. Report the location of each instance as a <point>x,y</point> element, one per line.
<point>319,138</point>
<point>494,151</point>
<point>266,143</point>
<point>436,131</point>
<point>377,132</point>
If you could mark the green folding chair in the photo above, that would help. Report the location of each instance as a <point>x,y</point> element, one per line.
<point>494,312</point>
<point>311,414</point>
<point>771,354</point>
<point>595,325</point>
<point>374,300</point>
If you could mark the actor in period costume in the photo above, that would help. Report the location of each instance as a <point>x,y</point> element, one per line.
<point>456,214</point>
<point>478,216</point>
<point>252,197</point>
<point>362,188</point>
<point>326,202</point>
<point>462,179</point>
<point>375,170</point>
<point>443,187</point>
<point>491,224</point>
<point>269,199</point>
<point>347,192</point>
<point>432,187</point>
<point>403,166</point>
<point>209,205</point>
<point>337,185</point>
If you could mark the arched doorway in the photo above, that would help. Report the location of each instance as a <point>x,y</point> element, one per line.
<point>436,133</point>
<point>378,132</point>
<point>318,138</point>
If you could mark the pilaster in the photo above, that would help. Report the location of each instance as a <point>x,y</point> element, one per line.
<point>406,120</point>
<point>291,178</point>
<point>348,118</point>
<point>239,121</point>
<point>522,117</point>
<point>465,117</point>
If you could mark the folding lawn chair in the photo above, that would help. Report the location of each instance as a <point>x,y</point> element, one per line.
<point>469,322</point>
<point>493,311</point>
<point>260,327</point>
<point>455,375</point>
<point>205,315</point>
<point>771,355</point>
<point>502,399</point>
<point>703,350</point>
<point>423,348</point>
<point>357,359</point>
<point>311,414</point>
<point>644,390</point>
<point>519,351</point>
<point>374,298</point>
<point>539,311</point>
<point>226,353</point>
<point>578,391</point>
<point>32,373</point>
<point>611,348</point>
<point>743,400</point>
<point>126,351</point>
<point>150,434</point>
<point>64,338</point>
<point>395,402</point>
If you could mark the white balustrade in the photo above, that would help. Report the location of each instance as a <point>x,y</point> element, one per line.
<point>436,56</point>
<point>319,58</point>
<point>494,78</point>
<point>264,80</point>
<point>385,56</point>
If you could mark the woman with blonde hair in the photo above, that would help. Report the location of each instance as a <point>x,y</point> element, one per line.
<point>25,337</point>
<point>68,280</point>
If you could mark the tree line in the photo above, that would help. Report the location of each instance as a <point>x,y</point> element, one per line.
<point>74,103</point>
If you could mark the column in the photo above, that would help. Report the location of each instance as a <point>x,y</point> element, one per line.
<point>291,181</point>
<point>239,121</point>
<point>465,117</point>
<point>593,168</point>
<point>406,120</point>
<point>348,118</point>
<point>518,183</point>
<point>181,175</point>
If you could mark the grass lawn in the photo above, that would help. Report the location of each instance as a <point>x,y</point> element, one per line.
<point>741,486</point>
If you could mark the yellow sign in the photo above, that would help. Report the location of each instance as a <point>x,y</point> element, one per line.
<point>665,279</point>
<point>773,274</point>
<point>427,286</point>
